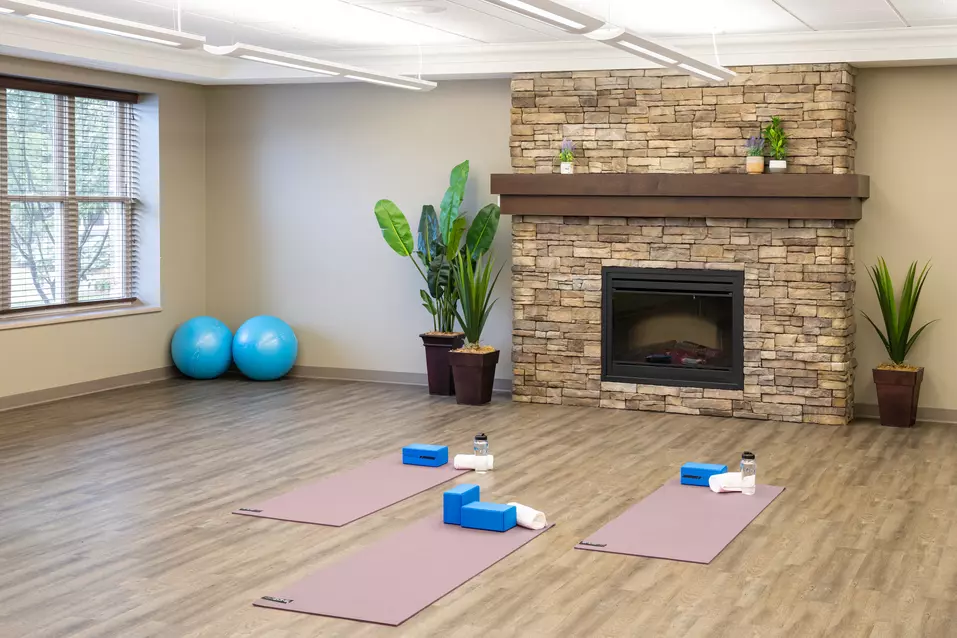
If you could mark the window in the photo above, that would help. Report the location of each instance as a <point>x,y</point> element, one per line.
<point>67,196</point>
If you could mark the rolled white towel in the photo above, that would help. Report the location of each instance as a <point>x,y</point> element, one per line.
<point>528,517</point>
<point>467,461</point>
<point>727,482</point>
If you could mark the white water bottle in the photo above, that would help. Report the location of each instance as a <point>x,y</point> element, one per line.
<point>480,447</point>
<point>749,473</point>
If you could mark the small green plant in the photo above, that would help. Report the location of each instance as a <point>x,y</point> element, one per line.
<point>898,316</point>
<point>776,139</point>
<point>755,146</point>
<point>474,284</point>
<point>567,151</point>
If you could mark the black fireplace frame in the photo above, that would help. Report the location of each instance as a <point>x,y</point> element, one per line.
<point>719,282</point>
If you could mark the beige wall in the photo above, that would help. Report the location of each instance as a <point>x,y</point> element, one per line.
<point>56,355</point>
<point>906,141</point>
<point>293,175</point>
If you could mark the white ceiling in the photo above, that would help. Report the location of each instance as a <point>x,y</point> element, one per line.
<point>468,38</point>
<point>317,25</point>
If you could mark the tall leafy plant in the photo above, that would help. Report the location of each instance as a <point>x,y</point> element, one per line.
<point>474,282</point>
<point>439,241</point>
<point>898,315</point>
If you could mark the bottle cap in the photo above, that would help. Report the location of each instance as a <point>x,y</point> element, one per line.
<point>748,456</point>
<point>481,437</point>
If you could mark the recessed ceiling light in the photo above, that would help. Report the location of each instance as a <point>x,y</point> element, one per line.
<point>420,9</point>
<point>98,23</point>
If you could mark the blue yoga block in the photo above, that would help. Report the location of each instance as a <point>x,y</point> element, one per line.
<point>490,516</point>
<point>455,499</point>
<point>698,473</point>
<point>430,455</point>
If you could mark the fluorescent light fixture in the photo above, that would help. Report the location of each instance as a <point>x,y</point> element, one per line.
<point>288,65</point>
<point>647,53</point>
<point>98,23</point>
<point>700,73</point>
<point>572,21</point>
<point>319,67</point>
<point>383,82</point>
<point>662,55</point>
<point>553,14</point>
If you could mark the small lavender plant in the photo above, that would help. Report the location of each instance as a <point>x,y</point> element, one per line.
<point>755,146</point>
<point>567,152</point>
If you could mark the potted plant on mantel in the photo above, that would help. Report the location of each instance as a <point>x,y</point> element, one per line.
<point>755,159</point>
<point>566,155</point>
<point>898,384</point>
<point>474,364</point>
<point>434,257</point>
<point>777,141</point>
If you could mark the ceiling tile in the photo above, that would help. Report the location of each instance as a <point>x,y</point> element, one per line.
<point>844,14</point>
<point>472,20</point>
<point>691,17</point>
<point>928,12</point>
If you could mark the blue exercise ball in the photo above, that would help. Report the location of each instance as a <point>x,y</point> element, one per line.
<point>265,348</point>
<point>202,348</point>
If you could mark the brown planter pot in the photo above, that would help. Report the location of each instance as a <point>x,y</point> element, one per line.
<point>437,347</point>
<point>898,392</point>
<point>474,376</point>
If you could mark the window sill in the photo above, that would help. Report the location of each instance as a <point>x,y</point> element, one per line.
<point>66,316</point>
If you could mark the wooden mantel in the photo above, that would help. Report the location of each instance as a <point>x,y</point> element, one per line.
<point>798,196</point>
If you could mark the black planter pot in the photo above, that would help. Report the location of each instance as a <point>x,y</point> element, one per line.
<point>474,376</point>
<point>437,347</point>
<point>898,392</point>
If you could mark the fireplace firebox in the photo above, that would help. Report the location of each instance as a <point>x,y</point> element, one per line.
<point>677,327</point>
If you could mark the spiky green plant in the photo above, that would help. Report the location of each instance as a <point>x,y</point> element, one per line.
<point>898,316</point>
<point>474,284</point>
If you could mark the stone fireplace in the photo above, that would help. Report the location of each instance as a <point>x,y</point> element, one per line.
<point>657,204</point>
<point>787,240</point>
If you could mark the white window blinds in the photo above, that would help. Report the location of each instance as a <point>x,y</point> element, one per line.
<point>67,195</point>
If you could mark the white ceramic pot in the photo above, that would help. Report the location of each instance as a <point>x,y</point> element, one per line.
<point>568,168</point>
<point>778,166</point>
<point>755,164</point>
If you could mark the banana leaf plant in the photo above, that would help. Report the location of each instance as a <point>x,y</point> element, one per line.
<point>898,315</point>
<point>439,242</point>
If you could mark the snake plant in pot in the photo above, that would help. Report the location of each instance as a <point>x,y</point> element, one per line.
<point>434,256</point>
<point>473,365</point>
<point>898,383</point>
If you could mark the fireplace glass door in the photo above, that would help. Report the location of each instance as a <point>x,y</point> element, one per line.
<point>673,327</point>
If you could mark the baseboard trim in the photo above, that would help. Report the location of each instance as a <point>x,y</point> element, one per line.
<point>927,415</point>
<point>86,387</point>
<point>861,410</point>
<point>376,376</point>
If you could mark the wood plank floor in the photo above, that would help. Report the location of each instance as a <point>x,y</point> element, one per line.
<point>116,517</point>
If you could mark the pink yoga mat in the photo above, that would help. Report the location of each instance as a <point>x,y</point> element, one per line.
<point>681,522</point>
<point>400,575</point>
<point>350,495</point>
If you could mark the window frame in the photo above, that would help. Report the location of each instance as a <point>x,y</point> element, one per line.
<point>65,141</point>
